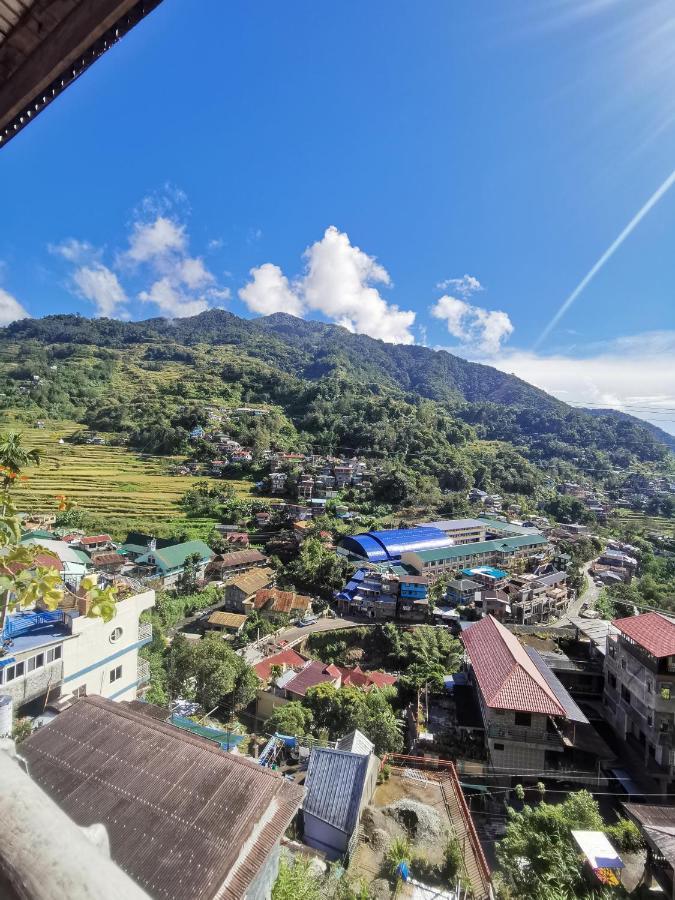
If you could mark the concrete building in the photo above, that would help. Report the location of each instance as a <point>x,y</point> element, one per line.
<point>61,654</point>
<point>639,698</point>
<point>498,552</point>
<point>528,716</point>
<point>168,563</point>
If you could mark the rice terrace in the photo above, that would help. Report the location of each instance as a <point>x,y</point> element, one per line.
<point>128,490</point>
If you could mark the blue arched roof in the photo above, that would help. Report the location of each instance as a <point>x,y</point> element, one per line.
<point>380,546</point>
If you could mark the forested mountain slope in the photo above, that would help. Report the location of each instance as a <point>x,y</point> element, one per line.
<point>432,412</point>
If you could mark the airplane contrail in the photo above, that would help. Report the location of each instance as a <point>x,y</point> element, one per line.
<point>606,256</point>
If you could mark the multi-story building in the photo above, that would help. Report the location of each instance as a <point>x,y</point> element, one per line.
<point>535,599</point>
<point>528,716</point>
<point>639,698</point>
<point>499,552</point>
<point>61,654</point>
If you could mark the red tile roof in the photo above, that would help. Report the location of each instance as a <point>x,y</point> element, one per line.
<point>359,678</point>
<point>288,658</point>
<point>506,676</point>
<point>97,539</point>
<point>312,674</point>
<point>652,631</point>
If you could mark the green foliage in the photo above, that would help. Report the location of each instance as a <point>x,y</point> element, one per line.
<point>316,569</point>
<point>399,851</point>
<point>292,718</point>
<point>626,836</point>
<point>340,710</point>
<point>211,673</point>
<point>537,855</point>
<point>21,729</point>
<point>453,859</point>
<point>297,880</point>
<point>425,654</point>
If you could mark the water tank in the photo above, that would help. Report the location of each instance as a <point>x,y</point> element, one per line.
<point>6,707</point>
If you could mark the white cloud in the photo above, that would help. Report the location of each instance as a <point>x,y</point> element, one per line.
<point>193,273</point>
<point>10,309</point>
<point>73,250</point>
<point>172,301</point>
<point>464,286</point>
<point>634,374</point>
<point>101,286</point>
<point>270,292</point>
<point>338,281</point>
<point>477,329</point>
<point>157,238</point>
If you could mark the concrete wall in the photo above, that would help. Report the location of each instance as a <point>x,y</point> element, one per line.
<point>90,656</point>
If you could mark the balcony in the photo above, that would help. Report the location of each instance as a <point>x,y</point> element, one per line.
<point>145,633</point>
<point>143,672</point>
<point>523,735</point>
<point>35,684</point>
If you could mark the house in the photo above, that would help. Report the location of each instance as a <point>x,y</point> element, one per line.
<point>185,819</point>
<point>339,785</point>
<point>111,562</point>
<point>286,659</point>
<point>278,482</point>
<point>639,697</point>
<point>96,542</point>
<point>74,564</point>
<point>294,685</point>
<point>657,826</point>
<point>167,563</point>
<point>528,717</point>
<point>535,598</point>
<point>356,677</point>
<point>55,655</point>
<point>229,622</point>
<point>238,540</point>
<point>227,565</point>
<point>413,598</point>
<point>240,590</point>
<point>462,591</point>
<point>270,602</point>
<point>493,603</point>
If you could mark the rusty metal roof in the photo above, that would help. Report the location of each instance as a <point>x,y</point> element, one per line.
<point>186,820</point>
<point>46,44</point>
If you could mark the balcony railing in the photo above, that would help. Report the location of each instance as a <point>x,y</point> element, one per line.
<point>524,735</point>
<point>145,632</point>
<point>143,672</point>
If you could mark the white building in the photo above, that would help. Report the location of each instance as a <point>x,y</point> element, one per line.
<point>61,654</point>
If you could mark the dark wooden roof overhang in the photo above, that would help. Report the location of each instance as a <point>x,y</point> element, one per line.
<point>46,44</point>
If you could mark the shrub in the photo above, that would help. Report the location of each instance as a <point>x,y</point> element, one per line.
<point>399,851</point>
<point>626,835</point>
<point>452,859</point>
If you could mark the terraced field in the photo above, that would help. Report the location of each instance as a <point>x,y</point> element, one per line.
<point>119,487</point>
<point>649,523</point>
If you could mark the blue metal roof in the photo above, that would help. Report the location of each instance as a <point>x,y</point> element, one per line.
<point>380,546</point>
<point>335,781</point>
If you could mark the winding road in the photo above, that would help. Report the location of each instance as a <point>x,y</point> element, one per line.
<point>589,596</point>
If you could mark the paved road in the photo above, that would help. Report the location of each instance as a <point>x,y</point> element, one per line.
<point>589,596</point>
<point>294,634</point>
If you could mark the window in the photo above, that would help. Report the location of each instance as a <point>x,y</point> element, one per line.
<point>499,746</point>
<point>81,691</point>
<point>54,653</point>
<point>649,686</point>
<point>612,680</point>
<point>523,719</point>
<point>115,674</point>
<point>116,634</point>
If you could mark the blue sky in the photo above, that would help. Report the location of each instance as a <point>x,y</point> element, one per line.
<point>439,172</point>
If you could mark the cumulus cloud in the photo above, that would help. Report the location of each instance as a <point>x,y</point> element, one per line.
<point>339,281</point>
<point>155,239</point>
<point>634,374</point>
<point>464,286</point>
<point>269,291</point>
<point>173,301</point>
<point>477,329</point>
<point>10,309</point>
<point>98,284</point>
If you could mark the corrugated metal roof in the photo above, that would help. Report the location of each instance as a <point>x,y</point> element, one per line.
<point>466,551</point>
<point>356,742</point>
<point>378,546</point>
<point>572,711</point>
<point>185,819</point>
<point>334,783</point>
<point>506,676</point>
<point>226,619</point>
<point>652,631</point>
<point>174,557</point>
<point>658,824</point>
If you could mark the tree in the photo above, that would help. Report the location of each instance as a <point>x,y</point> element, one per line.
<point>211,673</point>
<point>341,710</point>
<point>431,654</point>
<point>14,457</point>
<point>317,570</point>
<point>297,880</point>
<point>537,855</point>
<point>292,718</point>
<point>187,582</point>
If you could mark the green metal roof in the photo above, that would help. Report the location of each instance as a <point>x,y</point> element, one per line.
<point>465,551</point>
<point>168,558</point>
